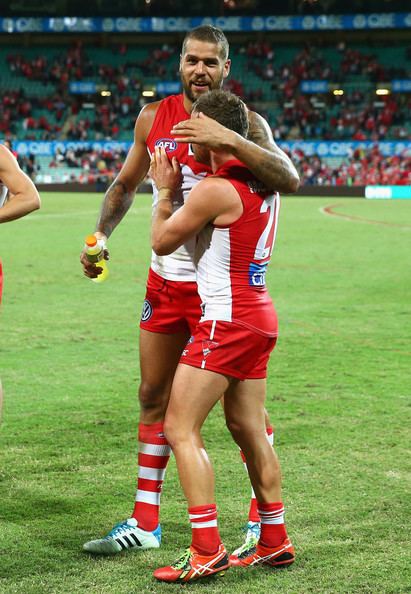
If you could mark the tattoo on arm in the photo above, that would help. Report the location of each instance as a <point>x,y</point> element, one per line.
<point>117,201</point>
<point>273,166</point>
<point>258,134</point>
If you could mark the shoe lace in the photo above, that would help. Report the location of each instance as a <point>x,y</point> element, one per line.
<point>119,528</point>
<point>252,535</point>
<point>182,561</point>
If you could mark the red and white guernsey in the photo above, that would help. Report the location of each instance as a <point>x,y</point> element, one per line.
<point>177,266</point>
<point>231,261</point>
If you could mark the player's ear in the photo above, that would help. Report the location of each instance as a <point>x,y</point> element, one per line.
<point>227,67</point>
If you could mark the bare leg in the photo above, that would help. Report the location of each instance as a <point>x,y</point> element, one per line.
<point>267,420</point>
<point>194,393</point>
<point>245,414</point>
<point>159,357</point>
<point>244,405</point>
<point>266,417</point>
<point>254,519</point>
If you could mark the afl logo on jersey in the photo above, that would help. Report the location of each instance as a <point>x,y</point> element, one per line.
<point>147,311</point>
<point>169,144</point>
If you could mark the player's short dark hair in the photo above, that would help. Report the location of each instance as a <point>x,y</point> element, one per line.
<point>208,34</point>
<point>226,108</point>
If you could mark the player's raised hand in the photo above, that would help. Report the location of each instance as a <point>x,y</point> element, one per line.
<point>201,129</point>
<point>164,173</point>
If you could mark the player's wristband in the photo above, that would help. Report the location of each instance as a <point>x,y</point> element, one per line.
<point>165,194</point>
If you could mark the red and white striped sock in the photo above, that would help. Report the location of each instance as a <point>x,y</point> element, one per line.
<point>273,531</point>
<point>253,511</point>
<point>205,536</point>
<point>153,456</point>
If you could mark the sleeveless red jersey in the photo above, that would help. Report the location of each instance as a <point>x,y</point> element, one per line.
<point>231,260</point>
<point>177,266</point>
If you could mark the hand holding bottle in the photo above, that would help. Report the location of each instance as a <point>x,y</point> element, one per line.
<point>94,257</point>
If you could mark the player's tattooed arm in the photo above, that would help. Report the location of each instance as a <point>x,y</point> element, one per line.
<point>258,151</point>
<point>117,201</point>
<point>265,159</point>
<point>120,195</point>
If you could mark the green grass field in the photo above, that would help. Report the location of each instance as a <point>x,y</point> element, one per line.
<point>339,396</point>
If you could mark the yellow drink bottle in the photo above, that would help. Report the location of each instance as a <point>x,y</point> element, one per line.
<point>95,253</point>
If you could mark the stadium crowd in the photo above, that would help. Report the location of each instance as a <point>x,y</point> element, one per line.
<point>99,167</point>
<point>361,168</point>
<point>355,115</point>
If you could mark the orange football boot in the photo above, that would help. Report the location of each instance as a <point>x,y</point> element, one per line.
<point>260,555</point>
<point>193,566</point>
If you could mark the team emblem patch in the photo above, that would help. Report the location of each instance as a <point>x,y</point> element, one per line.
<point>147,311</point>
<point>208,346</point>
<point>169,144</point>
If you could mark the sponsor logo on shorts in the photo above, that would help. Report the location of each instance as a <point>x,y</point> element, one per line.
<point>169,144</point>
<point>256,274</point>
<point>147,311</point>
<point>208,346</point>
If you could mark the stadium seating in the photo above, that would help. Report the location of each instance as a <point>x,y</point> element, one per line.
<point>37,104</point>
<point>140,66</point>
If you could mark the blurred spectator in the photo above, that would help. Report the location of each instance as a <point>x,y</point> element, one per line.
<point>362,168</point>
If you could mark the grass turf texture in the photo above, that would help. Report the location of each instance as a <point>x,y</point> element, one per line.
<point>338,393</point>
